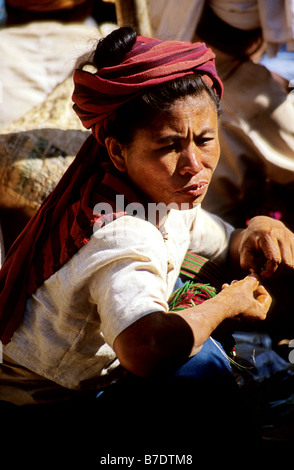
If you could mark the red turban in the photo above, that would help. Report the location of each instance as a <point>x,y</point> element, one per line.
<point>150,62</point>
<point>64,223</point>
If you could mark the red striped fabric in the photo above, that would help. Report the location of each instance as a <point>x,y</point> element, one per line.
<point>202,270</point>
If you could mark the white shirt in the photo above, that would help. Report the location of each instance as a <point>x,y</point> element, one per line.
<point>127,270</point>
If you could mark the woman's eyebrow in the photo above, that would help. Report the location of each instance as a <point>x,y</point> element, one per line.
<point>176,137</point>
<point>208,130</point>
<point>170,138</point>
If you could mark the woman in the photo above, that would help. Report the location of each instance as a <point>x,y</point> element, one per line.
<point>94,306</point>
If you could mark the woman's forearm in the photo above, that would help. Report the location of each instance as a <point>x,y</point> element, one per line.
<point>205,318</point>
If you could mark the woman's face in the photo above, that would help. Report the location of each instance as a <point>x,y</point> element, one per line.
<point>172,160</point>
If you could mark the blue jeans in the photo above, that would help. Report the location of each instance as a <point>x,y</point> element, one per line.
<point>210,362</point>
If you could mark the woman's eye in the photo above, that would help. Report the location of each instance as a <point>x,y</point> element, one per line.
<point>169,147</point>
<point>204,140</point>
<point>174,146</point>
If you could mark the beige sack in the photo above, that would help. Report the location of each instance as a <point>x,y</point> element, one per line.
<point>36,150</point>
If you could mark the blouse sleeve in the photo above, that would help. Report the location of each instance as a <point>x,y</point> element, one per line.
<point>131,280</point>
<point>210,236</point>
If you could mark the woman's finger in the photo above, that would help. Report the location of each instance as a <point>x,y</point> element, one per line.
<point>287,251</point>
<point>263,297</point>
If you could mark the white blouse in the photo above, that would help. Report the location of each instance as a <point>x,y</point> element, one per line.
<point>127,270</point>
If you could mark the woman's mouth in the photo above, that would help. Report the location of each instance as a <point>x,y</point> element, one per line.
<point>194,190</point>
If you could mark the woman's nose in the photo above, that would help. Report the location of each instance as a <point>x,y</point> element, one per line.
<point>190,161</point>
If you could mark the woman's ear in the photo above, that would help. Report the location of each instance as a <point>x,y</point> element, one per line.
<point>116,153</point>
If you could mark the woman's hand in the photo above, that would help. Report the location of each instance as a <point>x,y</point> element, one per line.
<point>265,245</point>
<point>248,298</point>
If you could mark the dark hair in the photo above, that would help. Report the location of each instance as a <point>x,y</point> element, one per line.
<point>112,49</point>
<point>138,112</point>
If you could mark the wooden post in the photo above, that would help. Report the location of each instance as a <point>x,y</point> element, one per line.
<point>134,13</point>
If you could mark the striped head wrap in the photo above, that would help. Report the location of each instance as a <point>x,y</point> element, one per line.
<point>150,63</point>
<point>64,223</point>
